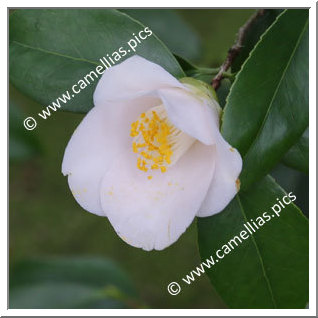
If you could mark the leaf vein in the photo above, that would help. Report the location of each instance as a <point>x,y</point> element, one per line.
<point>259,256</point>
<point>276,90</point>
<point>55,53</point>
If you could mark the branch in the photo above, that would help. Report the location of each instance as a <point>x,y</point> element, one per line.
<point>236,48</point>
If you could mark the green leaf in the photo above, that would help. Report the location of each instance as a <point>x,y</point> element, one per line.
<point>169,26</point>
<point>186,65</point>
<point>78,282</point>
<point>267,108</point>
<point>253,34</point>
<point>52,49</point>
<point>297,156</point>
<point>223,91</point>
<point>270,268</point>
<point>289,178</point>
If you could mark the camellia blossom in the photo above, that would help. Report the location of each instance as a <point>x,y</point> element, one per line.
<point>149,156</point>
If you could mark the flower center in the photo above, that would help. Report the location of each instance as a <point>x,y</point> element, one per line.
<point>158,143</point>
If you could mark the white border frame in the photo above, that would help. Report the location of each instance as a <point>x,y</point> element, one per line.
<point>159,312</point>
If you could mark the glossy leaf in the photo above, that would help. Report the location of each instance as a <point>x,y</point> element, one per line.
<point>267,108</point>
<point>223,91</point>
<point>170,27</point>
<point>289,178</point>
<point>297,156</point>
<point>52,49</point>
<point>253,34</point>
<point>186,65</point>
<point>269,269</point>
<point>78,282</point>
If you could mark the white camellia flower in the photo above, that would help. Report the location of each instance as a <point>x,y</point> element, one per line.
<point>150,156</point>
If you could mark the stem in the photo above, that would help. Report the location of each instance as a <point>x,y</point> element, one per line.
<point>236,48</point>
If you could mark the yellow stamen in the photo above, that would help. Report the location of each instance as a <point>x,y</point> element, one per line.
<point>155,149</point>
<point>157,143</point>
<point>135,147</point>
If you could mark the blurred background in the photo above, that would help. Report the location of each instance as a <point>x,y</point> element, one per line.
<point>64,257</point>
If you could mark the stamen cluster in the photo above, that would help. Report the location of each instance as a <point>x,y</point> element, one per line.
<point>151,141</point>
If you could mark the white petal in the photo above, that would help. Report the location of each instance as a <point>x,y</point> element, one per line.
<point>100,137</point>
<point>193,115</point>
<point>134,77</point>
<point>152,214</point>
<point>225,183</point>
